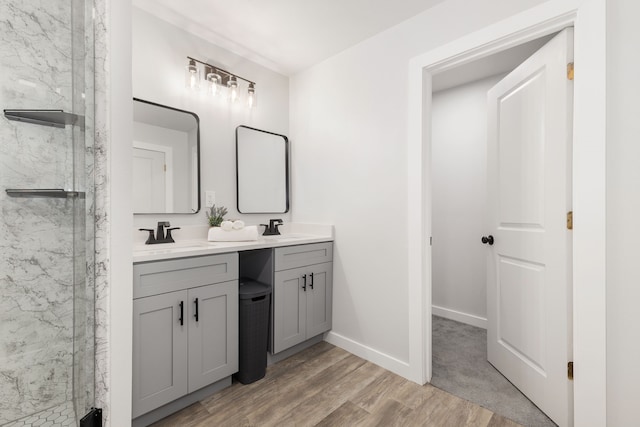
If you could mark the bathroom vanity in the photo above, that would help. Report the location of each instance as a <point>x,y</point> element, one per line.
<point>185,323</point>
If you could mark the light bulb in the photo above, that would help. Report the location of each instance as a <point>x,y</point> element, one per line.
<point>192,75</point>
<point>213,81</point>
<point>251,95</point>
<point>233,89</point>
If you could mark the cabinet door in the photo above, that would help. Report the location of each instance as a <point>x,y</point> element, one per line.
<point>213,335</point>
<point>159,351</point>
<point>289,309</point>
<point>319,298</point>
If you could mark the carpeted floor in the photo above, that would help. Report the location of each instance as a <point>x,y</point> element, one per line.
<point>460,367</point>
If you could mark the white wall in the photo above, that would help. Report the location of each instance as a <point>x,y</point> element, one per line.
<point>459,177</point>
<point>349,123</point>
<point>623,212</point>
<point>160,53</point>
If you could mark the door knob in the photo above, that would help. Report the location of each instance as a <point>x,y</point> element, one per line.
<point>487,239</point>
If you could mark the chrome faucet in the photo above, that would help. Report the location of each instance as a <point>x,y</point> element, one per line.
<point>160,236</point>
<point>272,228</point>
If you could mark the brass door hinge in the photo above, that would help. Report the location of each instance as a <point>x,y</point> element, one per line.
<point>570,220</point>
<point>570,370</point>
<point>165,167</point>
<point>570,70</point>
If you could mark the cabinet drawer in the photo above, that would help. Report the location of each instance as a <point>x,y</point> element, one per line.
<point>153,278</point>
<point>300,255</point>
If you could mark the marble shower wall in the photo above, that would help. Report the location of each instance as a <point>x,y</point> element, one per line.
<point>36,261</point>
<point>102,264</point>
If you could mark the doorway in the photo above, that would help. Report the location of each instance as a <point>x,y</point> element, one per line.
<point>459,260</point>
<point>152,177</point>
<point>589,315</point>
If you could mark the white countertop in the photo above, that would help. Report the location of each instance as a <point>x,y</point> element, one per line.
<point>192,244</point>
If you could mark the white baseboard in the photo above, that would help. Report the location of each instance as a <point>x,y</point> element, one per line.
<point>459,316</point>
<point>389,363</point>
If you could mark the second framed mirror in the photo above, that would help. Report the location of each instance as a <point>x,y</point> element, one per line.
<point>262,171</point>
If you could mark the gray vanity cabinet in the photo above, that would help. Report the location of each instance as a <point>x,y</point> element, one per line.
<point>185,327</point>
<point>303,293</point>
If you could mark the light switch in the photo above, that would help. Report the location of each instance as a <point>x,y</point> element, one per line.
<point>210,198</point>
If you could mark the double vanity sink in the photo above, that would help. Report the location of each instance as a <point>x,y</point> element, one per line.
<point>198,247</point>
<point>185,326</point>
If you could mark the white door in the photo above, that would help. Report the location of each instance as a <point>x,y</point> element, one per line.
<point>529,304</point>
<point>149,181</point>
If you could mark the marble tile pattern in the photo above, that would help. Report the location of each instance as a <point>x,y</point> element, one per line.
<point>36,266</point>
<point>58,416</point>
<point>101,209</point>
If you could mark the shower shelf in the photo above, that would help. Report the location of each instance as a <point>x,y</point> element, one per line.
<point>44,192</point>
<point>55,118</point>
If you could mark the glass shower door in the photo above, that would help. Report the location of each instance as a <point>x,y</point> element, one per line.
<point>46,212</point>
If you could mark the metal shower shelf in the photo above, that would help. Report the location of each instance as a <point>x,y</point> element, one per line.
<point>55,118</point>
<point>44,192</point>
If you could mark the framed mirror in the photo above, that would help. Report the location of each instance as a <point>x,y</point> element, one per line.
<point>166,159</point>
<point>262,171</point>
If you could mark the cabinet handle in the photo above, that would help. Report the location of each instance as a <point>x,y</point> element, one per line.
<point>196,315</point>
<point>304,282</point>
<point>311,276</point>
<point>181,313</point>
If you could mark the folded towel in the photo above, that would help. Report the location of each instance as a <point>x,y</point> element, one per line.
<point>238,224</point>
<point>217,234</point>
<point>226,225</point>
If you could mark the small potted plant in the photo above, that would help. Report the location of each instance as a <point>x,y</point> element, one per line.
<point>216,215</point>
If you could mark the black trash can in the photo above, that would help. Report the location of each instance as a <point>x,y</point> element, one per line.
<point>255,299</point>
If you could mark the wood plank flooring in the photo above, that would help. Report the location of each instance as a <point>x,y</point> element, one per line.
<point>327,386</point>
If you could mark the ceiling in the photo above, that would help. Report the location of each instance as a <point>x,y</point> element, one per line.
<point>287,36</point>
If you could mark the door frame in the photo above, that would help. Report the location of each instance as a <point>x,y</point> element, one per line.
<point>588,17</point>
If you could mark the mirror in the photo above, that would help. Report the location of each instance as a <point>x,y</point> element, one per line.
<point>166,159</point>
<point>262,171</point>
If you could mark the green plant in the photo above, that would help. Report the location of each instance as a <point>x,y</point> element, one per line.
<point>216,215</point>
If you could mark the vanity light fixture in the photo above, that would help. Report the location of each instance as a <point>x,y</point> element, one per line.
<point>215,79</point>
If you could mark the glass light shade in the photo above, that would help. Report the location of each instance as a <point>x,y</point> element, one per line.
<point>251,96</point>
<point>213,82</point>
<point>192,76</point>
<point>233,94</point>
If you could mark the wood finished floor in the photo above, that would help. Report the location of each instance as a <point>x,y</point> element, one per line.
<point>327,386</point>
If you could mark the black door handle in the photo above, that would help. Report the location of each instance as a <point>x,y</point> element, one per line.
<point>487,239</point>
<point>196,315</point>
<point>304,282</point>
<point>311,284</point>
<point>181,313</point>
